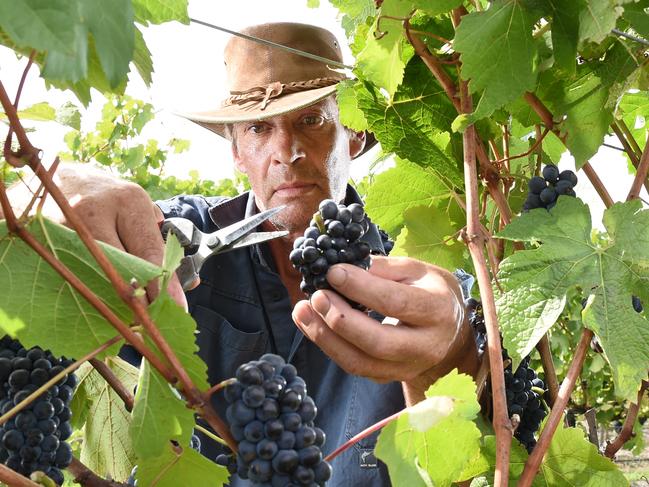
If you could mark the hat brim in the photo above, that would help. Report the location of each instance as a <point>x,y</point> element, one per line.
<point>217,119</point>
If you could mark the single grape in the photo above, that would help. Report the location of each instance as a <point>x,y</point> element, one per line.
<point>551,173</point>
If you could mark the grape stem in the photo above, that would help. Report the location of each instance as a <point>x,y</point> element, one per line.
<point>209,434</point>
<point>627,428</point>
<point>549,371</point>
<point>218,387</point>
<point>363,434</point>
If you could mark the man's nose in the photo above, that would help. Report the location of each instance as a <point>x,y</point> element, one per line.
<point>287,148</point>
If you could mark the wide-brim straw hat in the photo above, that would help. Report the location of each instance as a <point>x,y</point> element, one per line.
<point>265,81</point>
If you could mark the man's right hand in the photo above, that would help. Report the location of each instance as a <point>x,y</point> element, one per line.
<point>116,212</point>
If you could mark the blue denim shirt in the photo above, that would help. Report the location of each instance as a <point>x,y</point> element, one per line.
<point>243,310</point>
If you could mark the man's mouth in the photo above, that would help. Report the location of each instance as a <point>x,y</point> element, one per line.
<point>288,190</point>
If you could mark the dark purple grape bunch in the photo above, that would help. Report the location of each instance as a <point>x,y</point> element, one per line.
<point>524,391</point>
<point>34,439</point>
<point>272,419</point>
<point>332,237</point>
<point>523,387</point>
<point>544,191</point>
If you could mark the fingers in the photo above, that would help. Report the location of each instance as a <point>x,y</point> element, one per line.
<point>346,355</point>
<point>139,234</point>
<point>401,300</point>
<point>386,342</point>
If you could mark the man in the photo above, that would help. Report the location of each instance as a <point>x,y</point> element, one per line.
<point>282,119</point>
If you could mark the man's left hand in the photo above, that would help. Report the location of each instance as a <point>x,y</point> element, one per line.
<point>427,336</point>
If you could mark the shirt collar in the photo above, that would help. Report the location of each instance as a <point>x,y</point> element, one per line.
<point>242,206</point>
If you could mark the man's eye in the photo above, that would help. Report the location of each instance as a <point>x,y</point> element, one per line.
<point>313,120</point>
<point>256,128</point>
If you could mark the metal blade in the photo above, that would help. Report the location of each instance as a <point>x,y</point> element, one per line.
<point>255,238</point>
<point>234,232</point>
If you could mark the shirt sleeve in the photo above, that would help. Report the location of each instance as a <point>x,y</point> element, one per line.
<point>192,207</point>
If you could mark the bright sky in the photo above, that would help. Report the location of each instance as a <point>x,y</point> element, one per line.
<point>189,76</point>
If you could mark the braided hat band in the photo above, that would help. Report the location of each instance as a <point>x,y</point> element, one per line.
<point>263,94</point>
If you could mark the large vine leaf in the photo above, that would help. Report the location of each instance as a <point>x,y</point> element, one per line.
<point>160,11</point>
<point>565,33</point>
<point>36,302</point>
<point>40,24</point>
<point>387,51</point>
<point>432,442</point>
<point>404,186</point>
<point>498,54</point>
<point>636,15</point>
<point>179,330</point>
<point>610,268</point>
<point>350,115</point>
<point>597,18</point>
<point>180,466</point>
<point>430,235</point>
<point>412,123</point>
<point>159,415</point>
<point>354,13</point>
<point>106,418</point>
<point>588,100</point>
<point>572,460</point>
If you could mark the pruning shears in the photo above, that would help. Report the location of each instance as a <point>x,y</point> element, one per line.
<point>199,246</point>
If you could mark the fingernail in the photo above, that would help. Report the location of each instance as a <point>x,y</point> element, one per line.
<point>304,316</point>
<point>320,302</point>
<point>337,276</point>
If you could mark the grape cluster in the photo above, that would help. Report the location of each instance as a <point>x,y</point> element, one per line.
<point>331,238</point>
<point>34,439</point>
<point>523,387</point>
<point>544,191</point>
<point>271,417</point>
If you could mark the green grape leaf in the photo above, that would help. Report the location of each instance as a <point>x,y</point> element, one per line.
<point>572,460</point>
<point>498,54</point>
<point>412,125</point>
<point>387,51</point>
<point>436,7</point>
<point>142,58</point>
<point>350,115</point>
<point>636,14</point>
<point>611,268</point>
<point>404,186</point>
<point>44,25</point>
<point>39,112</point>
<point>171,260</point>
<point>588,100</point>
<point>159,415</point>
<point>107,418</point>
<point>429,235</point>
<point>597,18</point>
<point>565,33</point>
<point>180,463</point>
<point>37,302</point>
<point>355,13</point>
<point>431,442</point>
<point>159,11</point>
<point>111,24</point>
<point>179,330</point>
<point>68,114</point>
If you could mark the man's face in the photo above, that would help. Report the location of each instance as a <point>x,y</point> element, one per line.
<point>297,160</point>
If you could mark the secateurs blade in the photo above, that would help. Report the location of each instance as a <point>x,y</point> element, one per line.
<point>199,246</point>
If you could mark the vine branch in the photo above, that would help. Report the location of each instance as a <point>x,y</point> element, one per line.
<point>627,428</point>
<point>640,174</point>
<point>534,460</point>
<point>109,376</point>
<point>193,396</point>
<point>549,372</point>
<point>86,477</point>
<point>475,240</point>
<point>14,479</point>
